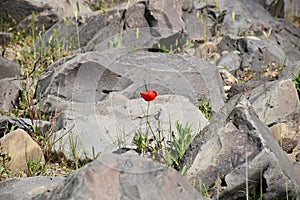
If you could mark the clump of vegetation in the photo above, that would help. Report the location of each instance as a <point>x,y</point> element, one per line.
<point>33,60</point>
<point>296,81</point>
<point>168,152</point>
<point>179,145</point>
<point>205,108</point>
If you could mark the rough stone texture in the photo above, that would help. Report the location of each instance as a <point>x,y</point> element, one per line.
<point>153,18</point>
<point>235,147</point>
<point>82,34</point>
<point>47,12</point>
<point>282,8</point>
<point>251,19</point>
<point>291,9</point>
<point>6,122</point>
<point>9,69</point>
<point>90,77</point>
<point>81,83</point>
<point>9,84</point>
<point>10,90</point>
<point>290,71</point>
<point>123,177</point>
<point>230,60</point>
<point>256,55</point>
<point>168,13</point>
<point>20,147</point>
<point>27,188</point>
<point>112,123</point>
<point>275,101</point>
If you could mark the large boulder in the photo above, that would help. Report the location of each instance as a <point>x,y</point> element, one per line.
<point>236,150</point>
<point>112,123</point>
<point>123,177</point>
<point>46,13</point>
<point>91,76</point>
<point>100,91</point>
<point>27,188</point>
<point>153,18</point>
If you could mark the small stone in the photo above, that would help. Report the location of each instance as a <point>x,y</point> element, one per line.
<point>20,147</point>
<point>288,144</point>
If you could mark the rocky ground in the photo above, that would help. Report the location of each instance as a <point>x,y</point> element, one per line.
<point>224,125</point>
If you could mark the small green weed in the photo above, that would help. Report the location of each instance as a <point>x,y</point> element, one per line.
<point>296,80</point>
<point>180,144</point>
<point>35,168</point>
<point>116,42</point>
<point>4,160</point>
<point>170,152</point>
<point>205,108</point>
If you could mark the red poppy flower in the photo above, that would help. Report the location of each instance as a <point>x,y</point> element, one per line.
<point>149,95</point>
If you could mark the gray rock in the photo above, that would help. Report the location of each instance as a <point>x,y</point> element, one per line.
<point>276,9</point>
<point>231,60</point>
<point>9,69</point>
<point>27,188</point>
<point>91,88</point>
<point>290,71</point>
<point>9,84</point>
<point>112,123</point>
<point>250,19</point>
<point>168,13</point>
<point>81,34</point>
<point>7,122</point>
<point>284,8</point>
<point>46,12</point>
<point>237,148</point>
<point>256,55</point>
<point>275,101</point>
<point>291,9</point>
<point>123,177</point>
<point>10,90</point>
<point>90,77</point>
<point>153,19</point>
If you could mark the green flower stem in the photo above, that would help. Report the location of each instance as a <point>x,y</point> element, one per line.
<point>148,124</point>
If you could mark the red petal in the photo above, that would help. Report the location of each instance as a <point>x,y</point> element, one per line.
<point>149,95</point>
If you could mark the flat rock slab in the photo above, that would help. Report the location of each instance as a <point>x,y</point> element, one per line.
<point>27,188</point>
<point>123,177</point>
<point>91,76</point>
<point>112,123</point>
<point>84,88</point>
